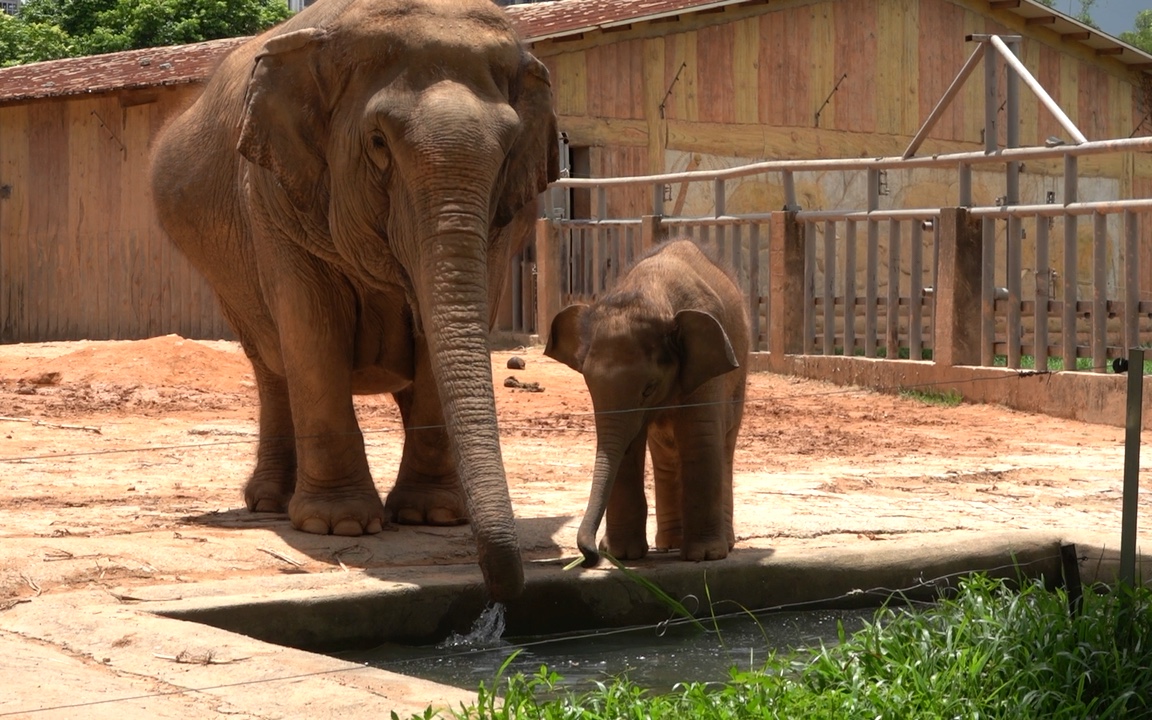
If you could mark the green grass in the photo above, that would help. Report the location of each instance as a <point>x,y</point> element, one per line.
<point>1055,364</point>
<point>943,398</point>
<point>989,652</point>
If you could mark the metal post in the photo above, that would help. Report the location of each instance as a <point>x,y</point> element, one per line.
<point>990,97</point>
<point>1132,425</point>
<point>873,265</point>
<point>1068,316</point>
<point>1013,264</point>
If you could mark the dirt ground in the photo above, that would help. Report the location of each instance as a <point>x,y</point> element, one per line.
<point>110,441</point>
<point>122,465</point>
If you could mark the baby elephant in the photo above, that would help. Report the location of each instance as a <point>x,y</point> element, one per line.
<point>664,355</point>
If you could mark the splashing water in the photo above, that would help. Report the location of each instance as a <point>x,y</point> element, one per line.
<point>485,632</point>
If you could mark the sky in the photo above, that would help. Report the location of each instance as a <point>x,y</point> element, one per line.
<point>1113,16</point>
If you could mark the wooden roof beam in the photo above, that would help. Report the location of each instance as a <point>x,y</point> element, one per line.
<point>1041,20</point>
<point>1004,4</point>
<point>1080,35</point>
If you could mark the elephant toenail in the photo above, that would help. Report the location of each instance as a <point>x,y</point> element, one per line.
<point>348,528</point>
<point>314,525</point>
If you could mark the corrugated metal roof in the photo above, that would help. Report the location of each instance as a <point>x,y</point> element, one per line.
<point>131,69</point>
<point>536,22</point>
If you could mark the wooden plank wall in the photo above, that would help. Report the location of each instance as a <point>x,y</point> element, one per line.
<point>749,83</point>
<point>81,254</point>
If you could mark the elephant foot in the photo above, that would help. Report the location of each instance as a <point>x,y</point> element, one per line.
<point>268,492</point>
<point>427,501</point>
<point>705,550</point>
<point>344,511</point>
<point>628,549</point>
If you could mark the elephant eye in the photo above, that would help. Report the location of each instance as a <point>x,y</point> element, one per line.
<point>378,141</point>
<point>648,389</point>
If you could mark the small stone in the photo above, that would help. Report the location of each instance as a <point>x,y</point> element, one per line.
<point>515,363</point>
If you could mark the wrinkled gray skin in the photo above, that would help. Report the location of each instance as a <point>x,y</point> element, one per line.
<point>353,183</point>
<point>665,357</point>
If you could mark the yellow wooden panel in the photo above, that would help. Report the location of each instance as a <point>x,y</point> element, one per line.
<point>744,67</point>
<point>1068,94</point>
<point>604,131</point>
<point>570,84</point>
<point>680,76</point>
<point>821,46</point>
<point>973,91</point>
<point>897,86</point>
<point>653,95</point>
<point>16,288</point>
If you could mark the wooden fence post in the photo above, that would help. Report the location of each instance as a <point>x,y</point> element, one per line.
<point>548,276</point>
<point>958,295</point>
<point>786,287</point>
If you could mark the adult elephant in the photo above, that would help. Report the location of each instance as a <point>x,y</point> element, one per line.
<point>353,183</point>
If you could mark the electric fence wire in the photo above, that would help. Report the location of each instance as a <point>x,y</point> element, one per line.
<point>942,582</point>
<point>505,428</point>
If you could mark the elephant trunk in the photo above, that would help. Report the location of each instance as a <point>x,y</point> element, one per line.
<point>453,300</point>
<point>614,433</point>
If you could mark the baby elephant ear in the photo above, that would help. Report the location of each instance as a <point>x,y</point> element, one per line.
<point>705,350</point>
<point>564,339</point>
<point>285,121</point>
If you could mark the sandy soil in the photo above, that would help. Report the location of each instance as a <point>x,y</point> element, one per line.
<point>123,462</point>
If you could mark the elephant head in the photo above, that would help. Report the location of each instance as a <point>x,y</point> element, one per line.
<point>406,141</point>
<point>636,361</point>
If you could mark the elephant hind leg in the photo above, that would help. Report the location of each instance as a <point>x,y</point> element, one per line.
<point>427,489</point>
<point>273,481</point>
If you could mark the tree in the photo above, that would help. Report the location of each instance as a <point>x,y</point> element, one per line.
<point>1141,37</point>
<point>49,29</point>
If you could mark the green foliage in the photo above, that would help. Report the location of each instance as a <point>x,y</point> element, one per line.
<point>990,652</point>
<point>50,29</point>
<point>24,42</point>
<point>1141,37</point>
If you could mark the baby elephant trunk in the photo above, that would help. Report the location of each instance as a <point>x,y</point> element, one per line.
<point>614,431</point>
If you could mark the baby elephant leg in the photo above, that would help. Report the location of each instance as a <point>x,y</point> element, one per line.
<point>706,488</point>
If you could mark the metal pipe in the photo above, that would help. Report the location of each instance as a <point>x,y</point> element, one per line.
<point>1068,316</point>
<point>991,94</point>
<point>1130,502</point>
<point>1024,154</point>
<point>949,95</point>
<point>1035,86</point>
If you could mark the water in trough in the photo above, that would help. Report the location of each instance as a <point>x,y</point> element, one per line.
<point>652,657</point>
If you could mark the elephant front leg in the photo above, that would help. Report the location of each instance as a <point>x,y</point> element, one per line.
<point>666,476</point>
<point>427,490</point>
<point>625,532</point>
<point>705,487</point>
<point>272,483</point>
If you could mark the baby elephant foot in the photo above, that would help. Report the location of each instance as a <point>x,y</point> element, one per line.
<point>705,550</point>
<point>269,492</point>
<point>427,503</point>
<point>625,548</point>
<point>337,511</point>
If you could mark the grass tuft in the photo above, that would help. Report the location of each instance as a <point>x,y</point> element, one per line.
<point>943,398</point>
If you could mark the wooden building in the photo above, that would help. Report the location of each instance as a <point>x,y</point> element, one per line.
<point>81,254</point>
<point>672,85</point>
<point>641,86</point>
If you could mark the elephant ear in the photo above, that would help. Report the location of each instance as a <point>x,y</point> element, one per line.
<point>564,338</point>
<point>535,158</point>
<point>705,350</point>
<point>285,122</point>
